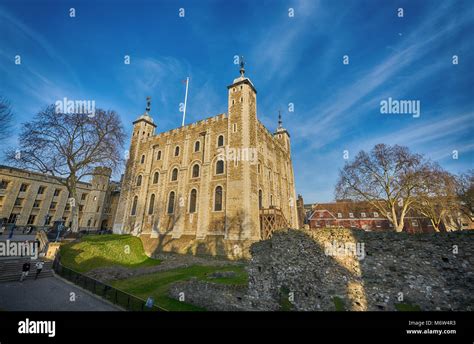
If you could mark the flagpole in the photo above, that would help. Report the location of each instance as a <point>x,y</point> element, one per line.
<point>185,101</point>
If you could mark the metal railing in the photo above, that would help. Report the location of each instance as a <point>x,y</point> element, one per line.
<point>118,297</point>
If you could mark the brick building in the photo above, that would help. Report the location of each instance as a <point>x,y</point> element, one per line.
<point>361,215</point>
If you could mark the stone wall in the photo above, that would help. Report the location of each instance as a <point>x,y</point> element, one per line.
<point>230,298</point>
<point>390,271</point>
<point>211,245</point>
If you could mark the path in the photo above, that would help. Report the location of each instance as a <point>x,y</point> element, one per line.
<point>49,294</point>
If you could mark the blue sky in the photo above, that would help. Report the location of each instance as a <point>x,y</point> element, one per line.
<point>289,59</point>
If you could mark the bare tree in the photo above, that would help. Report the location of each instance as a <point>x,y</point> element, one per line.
<point>6,117</point>
<point>463,207</point>
<point>452,219</point>
<point>69,147</point>
<point>436,198</point>
<point>465,192</point>
<point>387,178</point>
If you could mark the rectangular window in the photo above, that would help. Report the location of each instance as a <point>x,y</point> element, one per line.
<point>23,187</point>
<point>47,222</point>
<point>31,219</point>
<point>12,218</point>
<point>362,214</point>
<point>351,214</point>
<point>53,205</point>
<point>81,207</point>
<point>41,190</point>
<point>376,214</point>
<point>83,196</point>
<point>3,184</point>
<point>57,192</point>
<point>37,204</point>
<point>18,202</point>
<point>339,215</point>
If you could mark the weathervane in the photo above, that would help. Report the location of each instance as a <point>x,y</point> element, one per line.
<point>148,104</point>
<point>242,64</point>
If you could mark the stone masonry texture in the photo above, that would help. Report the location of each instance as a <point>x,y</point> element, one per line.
<point>427,271</point>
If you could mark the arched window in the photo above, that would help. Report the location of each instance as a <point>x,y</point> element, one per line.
<point>220,166</point>
<point>171,203</point>
<point>218,199</point>
<point>271,200</point>
<point>139,180</point>
<point>151,206</point>
<point>260,199</point>
<point>192,201</point>
<point>134,206</point>
<point>174,174</point>
<point>158,155</point>
<point>195,171</point>
<point>197,146</point>
<point>176,151</point>
<point>220,141</point>
<point>156,177</point>
<point>143,159</point>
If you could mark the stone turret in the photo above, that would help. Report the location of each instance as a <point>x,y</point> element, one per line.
<point>242,197</point>
<point>282,135</point>
<point>143,130</point>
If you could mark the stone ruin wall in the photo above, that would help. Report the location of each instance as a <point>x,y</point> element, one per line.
<point>427,271</point>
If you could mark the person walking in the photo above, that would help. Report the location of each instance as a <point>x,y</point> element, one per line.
<point>25,271</point>
<point>39,267</point>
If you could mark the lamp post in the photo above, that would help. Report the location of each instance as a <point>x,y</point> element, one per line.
<point>17,218</point>
<point>60,228</point>
<point>46,217</point>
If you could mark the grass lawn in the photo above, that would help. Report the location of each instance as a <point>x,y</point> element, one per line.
<point>156,285</point>
<point>95,251</point>
<point>339,304</point>
<point>407,307</point>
